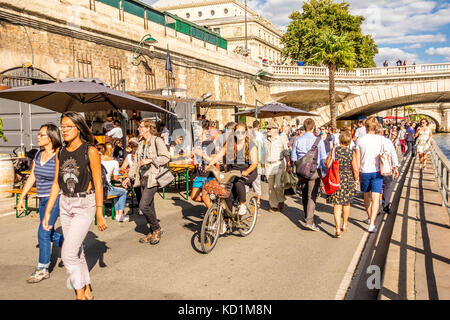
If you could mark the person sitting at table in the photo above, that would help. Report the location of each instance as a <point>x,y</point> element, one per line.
<point>203,151</point>
<point>112,170</point>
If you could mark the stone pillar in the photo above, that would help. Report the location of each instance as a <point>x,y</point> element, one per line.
<point>445,123</point>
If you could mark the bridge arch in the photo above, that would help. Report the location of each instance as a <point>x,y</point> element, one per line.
<point>387,97</point>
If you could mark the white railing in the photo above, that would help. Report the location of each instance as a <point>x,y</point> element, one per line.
<point>362,72</point>
<point>442,173</point>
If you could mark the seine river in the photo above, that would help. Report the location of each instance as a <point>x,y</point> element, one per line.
<point>443,141</point>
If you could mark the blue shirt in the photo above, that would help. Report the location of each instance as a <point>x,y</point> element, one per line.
<point>45,174</point>
<point>303,144</point>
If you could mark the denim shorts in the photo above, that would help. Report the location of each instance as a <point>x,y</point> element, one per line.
<point>200,181</point>
<point>371,182</point>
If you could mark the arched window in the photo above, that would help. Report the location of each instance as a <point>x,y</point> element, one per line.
<point>188,15</point>
<point>225,11</point>
<point>213,13</point>
<point>200,13</point>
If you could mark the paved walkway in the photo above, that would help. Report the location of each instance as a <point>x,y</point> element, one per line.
<point>418,261</point>
<point>281,259</point>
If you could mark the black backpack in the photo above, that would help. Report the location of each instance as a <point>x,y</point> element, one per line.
<point>308,164</point>
<point>105,184</point>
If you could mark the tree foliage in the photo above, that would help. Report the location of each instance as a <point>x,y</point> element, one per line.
<point>2,136</point>
<point>306,28</point>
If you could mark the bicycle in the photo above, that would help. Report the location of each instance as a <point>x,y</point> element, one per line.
<point>219,213</point>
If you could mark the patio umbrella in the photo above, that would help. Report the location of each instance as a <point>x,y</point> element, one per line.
<point>80,95</point>
<point>275,109</point>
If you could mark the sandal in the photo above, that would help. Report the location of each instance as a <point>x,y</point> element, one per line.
<point>337,235</point>
<point>146,239</point>
<point>90,288</point>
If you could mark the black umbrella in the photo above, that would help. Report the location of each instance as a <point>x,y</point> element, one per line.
<point>275,109</point>
<point>81,95</point>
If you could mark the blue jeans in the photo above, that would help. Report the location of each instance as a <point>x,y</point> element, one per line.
<point>119,203</point>
<point>45,238</point>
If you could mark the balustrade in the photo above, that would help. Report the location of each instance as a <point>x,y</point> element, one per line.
<point>361,72</point>
<point>442,173</point>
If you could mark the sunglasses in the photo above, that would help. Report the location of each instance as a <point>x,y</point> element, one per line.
<point>240,132</point>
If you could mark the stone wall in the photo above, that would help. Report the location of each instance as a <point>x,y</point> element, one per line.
<point>59,41</point>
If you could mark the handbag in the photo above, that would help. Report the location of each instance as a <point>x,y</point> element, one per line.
<point>165,178</point>
<point>385,161</point>
<point>332,180</point>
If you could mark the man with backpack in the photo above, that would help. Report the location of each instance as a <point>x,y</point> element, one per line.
<point>309,155</point>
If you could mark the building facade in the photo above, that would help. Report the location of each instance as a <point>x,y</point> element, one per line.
<point>227,18</point>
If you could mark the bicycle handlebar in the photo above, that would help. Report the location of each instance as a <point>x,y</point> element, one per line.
<point>221,177</point>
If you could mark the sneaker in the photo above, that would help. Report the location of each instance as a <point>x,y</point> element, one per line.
<point>38,275</point>
<point>223,228</point>
<point>372,228</point>
<point>123,218</point>
<point>242,209</point>
<point>312,227</point>
<point>387,209</point>
<point>141,213</point>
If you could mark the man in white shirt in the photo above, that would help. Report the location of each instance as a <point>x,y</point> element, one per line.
<point>116,132</point>
<point>258,138</point>
<point>276,152</point>
<point>368,149</point>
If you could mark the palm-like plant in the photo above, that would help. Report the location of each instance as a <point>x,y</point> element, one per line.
<point>335,52</point>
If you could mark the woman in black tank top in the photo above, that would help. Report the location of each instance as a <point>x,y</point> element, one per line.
<point>78,176</point>
<point>241,154</point>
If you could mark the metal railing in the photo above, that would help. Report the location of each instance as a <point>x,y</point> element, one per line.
<point>442,173</point>
<point>361,72</point>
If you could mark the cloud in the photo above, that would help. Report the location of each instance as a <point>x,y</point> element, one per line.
<point>413,46</point>
<point>443,52</point>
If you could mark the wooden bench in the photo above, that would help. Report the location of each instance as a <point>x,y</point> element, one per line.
<point>18,192</point>
<point>113,209</point>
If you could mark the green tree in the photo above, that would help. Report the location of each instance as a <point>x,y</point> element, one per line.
<point>2,136</point>
<point>335,52</point>
<point>306,27</point>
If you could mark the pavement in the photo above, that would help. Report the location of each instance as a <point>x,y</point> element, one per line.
<point>418,261</point>
<point>279,260</point>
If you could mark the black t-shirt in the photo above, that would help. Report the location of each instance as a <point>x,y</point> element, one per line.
<point>74,173</point>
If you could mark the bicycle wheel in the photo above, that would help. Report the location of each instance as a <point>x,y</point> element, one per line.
<point>248,221</point>
<point>210,228</point>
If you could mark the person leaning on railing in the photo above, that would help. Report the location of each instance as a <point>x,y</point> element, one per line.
<point>151,156</point>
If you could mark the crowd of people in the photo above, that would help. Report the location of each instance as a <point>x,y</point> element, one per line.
<point>71,168</point>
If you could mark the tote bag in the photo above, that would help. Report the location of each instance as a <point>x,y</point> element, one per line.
<point>385,161</point>
<point>332,181</point>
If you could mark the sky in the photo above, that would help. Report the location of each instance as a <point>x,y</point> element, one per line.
<point>415,30</point>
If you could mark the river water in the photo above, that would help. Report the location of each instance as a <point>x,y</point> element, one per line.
<point>443,141</point>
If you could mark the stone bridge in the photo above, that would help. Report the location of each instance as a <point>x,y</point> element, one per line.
<point>365,91</point>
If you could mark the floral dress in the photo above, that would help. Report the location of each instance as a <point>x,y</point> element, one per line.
<point>422,141</point>
<point>347,189</point>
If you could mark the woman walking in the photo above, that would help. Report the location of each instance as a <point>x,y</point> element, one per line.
<point>402,139</point>
<point>349,178</point>
<point>112,170</point>
<point>78,175</point>
<point>43,174</point>
<point>423,136</point>
<point>151,156</point>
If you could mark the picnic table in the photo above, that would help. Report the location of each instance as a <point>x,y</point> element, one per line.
<point>18,192</point>
<point>181,171</point>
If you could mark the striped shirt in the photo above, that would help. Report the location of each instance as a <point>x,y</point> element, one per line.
<point>44,174</point>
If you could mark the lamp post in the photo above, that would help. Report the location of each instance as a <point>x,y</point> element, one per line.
<point>145,39</point>
<point>256,108</point>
